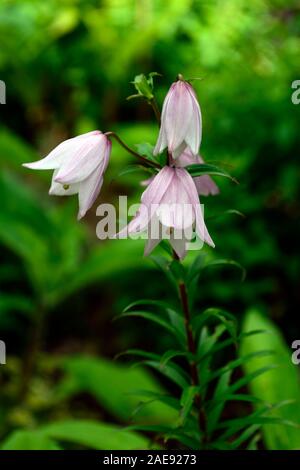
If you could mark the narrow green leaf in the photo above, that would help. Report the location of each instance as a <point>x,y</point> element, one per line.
<point>186,402</point>
<point>156,303</point>
<point>254,441</point>
<point>238,362</point>
<point>168,355</point>
<point>156,428</point>
<point>258,417</point>
<point>233,397</point>
<point>195,268</point>
<point>190,442</point>
<point>133,169</point>
<point>206,343</point>
<point>163,398</point>
<point>206,169</point>
<point>146,150</point>
<point>28,440</point>
<point>138,352</point>
<point>228,262</point>
<point>227,319</point>
<point>225,343</point>
<point>95,435</point>
<point>248,378</point>
<point>178,270</point>
<point>155,318</point>
<point>227,212</point>
<point>171,371</point>
<point>164,265</point>
<point>177,322</point>
<point>246,434</point>
<point>215,412</point>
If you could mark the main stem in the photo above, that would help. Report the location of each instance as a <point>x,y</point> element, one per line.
<point>189,334</point>
<point>202,420</point>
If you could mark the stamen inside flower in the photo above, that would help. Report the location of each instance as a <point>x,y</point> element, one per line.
<point>66,187</point>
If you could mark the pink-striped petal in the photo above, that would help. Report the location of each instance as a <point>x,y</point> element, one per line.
<point>204,183</point>
<point>194,133</point>
<point>57,189</point>
<point>88,192</point>
<point>177,116</point>
<point>155,191</point>
<point>179,246</point>
<point>138,224</point>
<point>181,122</point>
<point>85,159</point>
<point>175,209</point>
<point>91,186</point>
<point>190,187</point>
<point>59,154</point>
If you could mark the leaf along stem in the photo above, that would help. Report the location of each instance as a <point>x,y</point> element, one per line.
<point>202,419</point>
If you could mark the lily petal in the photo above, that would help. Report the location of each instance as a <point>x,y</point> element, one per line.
<point>58,189</point>
<point>190,187</point>
<point>84,160</point>
<point>179,246</point>
<point>90,187</point>
<point>181,122</point>
<point>150,200</point>
<point>59,154</point>
<point>159,185</point>
<point>178,115</point>
<point>88,192</point>
<point>194,132</point>
<point>204,183</point>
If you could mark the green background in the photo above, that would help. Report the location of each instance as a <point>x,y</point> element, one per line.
<point>67,65</point>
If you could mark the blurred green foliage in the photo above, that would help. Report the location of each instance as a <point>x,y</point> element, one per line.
<point>68,65</point>
<point>278,385</point>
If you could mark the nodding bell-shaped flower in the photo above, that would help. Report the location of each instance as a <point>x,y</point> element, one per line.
<point>204,184</point>
<point>169,206</point>
<point>79,164</point>
<point>181,123</point>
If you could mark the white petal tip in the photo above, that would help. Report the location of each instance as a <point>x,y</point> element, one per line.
<point>28,165</point>
<point>80,215</point>
<point>59,180</point>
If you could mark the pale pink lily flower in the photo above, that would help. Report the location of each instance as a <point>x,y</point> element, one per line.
<point>79,164</point>
<point>171,203</point>
<point>204,184</point>
<point>181,123</point>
